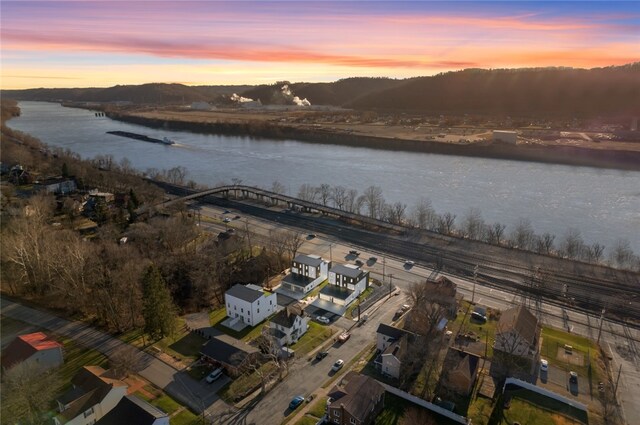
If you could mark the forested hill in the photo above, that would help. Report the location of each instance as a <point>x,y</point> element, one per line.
<point>611,91</point>
<point>535,91</point>
<point>145,93</point>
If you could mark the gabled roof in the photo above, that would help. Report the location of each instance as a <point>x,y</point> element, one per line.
<point>244,293</point>
<point>90,386</point>
<point>132,410</point>
<point>391,332</point>
<point>395,349</point>
<point>287,316</point>
<point>309,260</point>
<point>24,346</point>
<point>461,362</point>
<point>349,271</point>
<point>521,320</point>
<point>357,394</point>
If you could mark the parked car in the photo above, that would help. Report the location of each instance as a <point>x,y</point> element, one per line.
<point>321,355</point>
<point>337,365</point>
<point>359,263</point>
<point>478,317</point>
<point>226,220</point>
<point>409,263</point>
<point>544,365</point>
<point>295,402</point>
<point>354,252</point>
<point>226,211</point>
<point>405,307</point>
<point>311,235</point>
<point>214,376</point>
<point>373,259</point>
<point>237,217</point>
<point>573,377</point>
<point>344,337</point>
<point>323,319</point>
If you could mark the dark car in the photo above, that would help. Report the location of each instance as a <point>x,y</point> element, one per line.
<point>354,252</point>
<point>573,377</point>
<point>321,355</point>
<point>297,401</point>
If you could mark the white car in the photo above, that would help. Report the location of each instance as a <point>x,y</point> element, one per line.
<point>226,220</point>
<point>409,263</point>
<point>214,376</point>
<point>544,365</point>
<point>337,365</point>
<point>323,319</point>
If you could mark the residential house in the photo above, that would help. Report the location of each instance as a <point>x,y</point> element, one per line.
<point>133,410</point>
<point>443,291</point>
<point>93,394</point>
<point>36,349</point>
<point>390,360</point>
<point>387,335</point>
<point>232,354</point>
<point>289,324</point>
<point>250,303</point>
<point>356,400</point>
<point>58,185</point>
<point>307,272</point>
<point>459,371</point>
<point>346,283</point>
<point>517,333</point>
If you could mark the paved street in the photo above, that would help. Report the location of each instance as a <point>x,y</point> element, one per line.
<point>178,384</point>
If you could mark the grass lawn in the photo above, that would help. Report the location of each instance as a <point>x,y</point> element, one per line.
<point>480,411</point>
<point>185,418</point>
<point>186,347</point>
<point>166,404</point>
<point>354,305</point>
<point>553,338</point>
<point>315,336</point>
<point>76,356</point>
<point>305,420</point>
<point>463,324</point>
<point>318,407</point>
<point>555,408</point>
<point>216,317</point>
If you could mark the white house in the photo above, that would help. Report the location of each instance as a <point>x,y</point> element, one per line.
<point>517,333</point>
<point>250,303</point>
<point>35,348</point>
<point>289,324</point>
<point>346,282</point>
<point>93,394</point>
<point>307,272</point>
<point>391,358</point>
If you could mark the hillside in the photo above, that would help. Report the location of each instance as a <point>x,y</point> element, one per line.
<point>145,93</point>
<point>531,92</point>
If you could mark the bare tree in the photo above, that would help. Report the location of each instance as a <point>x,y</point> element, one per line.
<point>339,197</point>
<point>307,193</point>
<point>622,254</point>
<point>446,223</point>
<point>351,202</point>
<point>473,224</point>
<point>573,245</point>
<point>545,243</point>
<point>522,236</point>
<point>324,193</point>
<point>126,360</point>
<point>394,213</point>
<point>176,175</point>
<point>27,392</point>
<point>279,188</point>
<point>293,242</point>
<point>494,233</point>
<point>372,198</point>
<point>594,252</point>
<point>423,216</point>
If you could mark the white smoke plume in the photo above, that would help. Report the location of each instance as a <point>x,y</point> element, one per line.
<point>286,92</point>
<point>240,99</point>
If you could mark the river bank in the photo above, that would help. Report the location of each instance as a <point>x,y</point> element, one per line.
<point>554,154</point>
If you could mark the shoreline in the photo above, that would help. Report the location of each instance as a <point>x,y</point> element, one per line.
<point>564,155</point>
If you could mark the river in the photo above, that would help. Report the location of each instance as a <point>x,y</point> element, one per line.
<point>603,204</point>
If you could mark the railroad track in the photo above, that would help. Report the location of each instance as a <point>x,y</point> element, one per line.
<point>587,293</point>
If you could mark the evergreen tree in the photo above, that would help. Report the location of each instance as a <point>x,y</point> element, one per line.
<point>65,170</point>
<point>158,309</point>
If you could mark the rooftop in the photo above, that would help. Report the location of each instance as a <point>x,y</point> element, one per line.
<point>336,292</point>
<point>309,260</point>
<point>226,349</point>
<point>24,346</point>
<point>247,293</point>
<point>347,270</point>
<point>132,410</point>
<point>297,279</point>
<point>521,320</point>
<point>287,316</point>
<point>357,394</point>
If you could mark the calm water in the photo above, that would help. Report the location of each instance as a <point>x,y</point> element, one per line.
<point>603,204</point>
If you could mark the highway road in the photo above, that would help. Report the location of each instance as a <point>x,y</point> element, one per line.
<point>623,340</point>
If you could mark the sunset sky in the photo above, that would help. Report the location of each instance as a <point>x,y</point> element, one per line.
<point>82,43</point>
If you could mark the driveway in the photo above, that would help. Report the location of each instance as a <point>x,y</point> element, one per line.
<point>178,384</point>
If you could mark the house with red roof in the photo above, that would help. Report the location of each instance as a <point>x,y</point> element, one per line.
<point>36,348</point>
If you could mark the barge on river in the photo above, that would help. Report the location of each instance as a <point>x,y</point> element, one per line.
<point>136,136</point>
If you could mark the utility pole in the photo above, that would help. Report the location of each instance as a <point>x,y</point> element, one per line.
<point>390,284</point>
<point>475,278</point>
<point>383,267</point>
<point>615,391</point>
<point>601,322</point>
<point>330,253</point>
